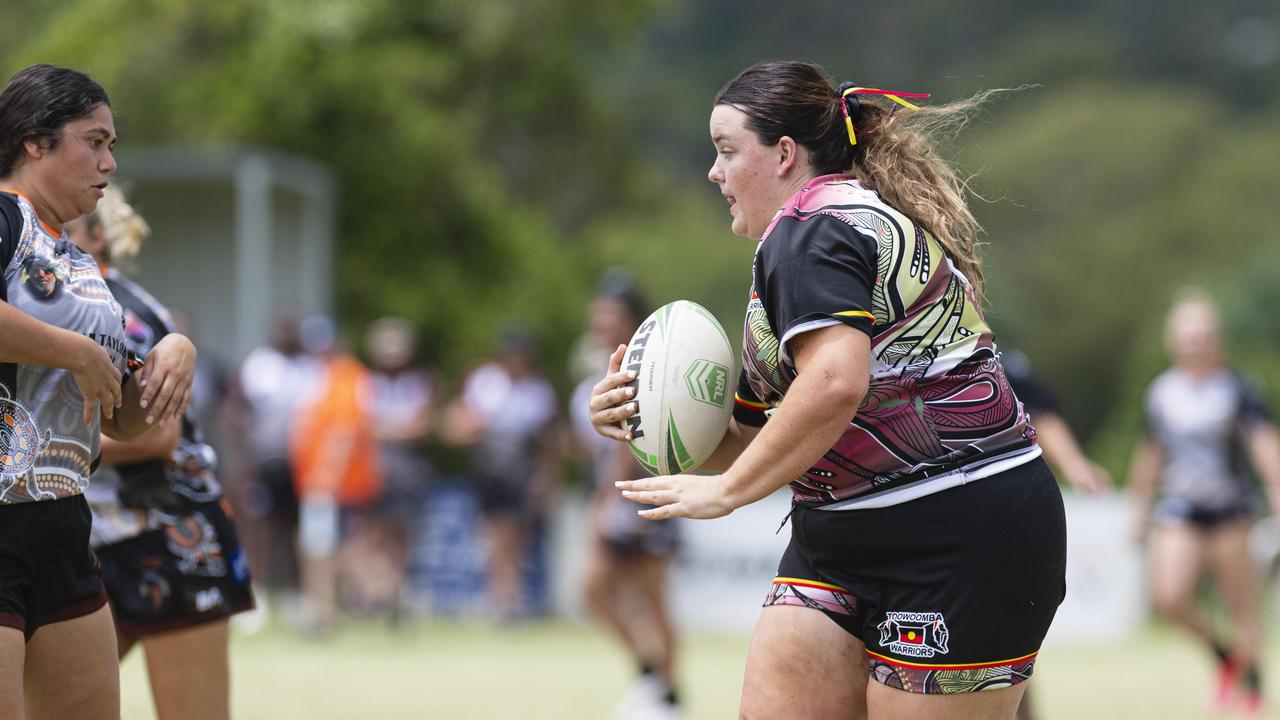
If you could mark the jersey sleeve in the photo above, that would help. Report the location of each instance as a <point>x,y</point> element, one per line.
<point>817,272</point>
<point>1253,406</point>
<point>1149,417</point>
<point>748,409</point>
<point>10,233</point>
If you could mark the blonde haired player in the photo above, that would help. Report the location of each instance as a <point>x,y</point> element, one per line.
<point>171,561</point>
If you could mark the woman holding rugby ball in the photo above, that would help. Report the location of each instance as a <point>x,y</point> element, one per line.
<point>928,542</point>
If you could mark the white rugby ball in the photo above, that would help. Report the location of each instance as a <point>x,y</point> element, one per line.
<point>684,388</point>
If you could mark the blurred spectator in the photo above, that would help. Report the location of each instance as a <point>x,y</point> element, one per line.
<point>506,416</point>
<point>335,460</point>
<point>271,380</point>
<point>628,557</point>
<point>1192,488</point>
<point>403,396</point>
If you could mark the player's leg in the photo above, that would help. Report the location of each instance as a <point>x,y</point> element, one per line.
<point>1026,707</point>
<point>189,672</point>
<point>506,533</point>
<point>1177,560</point>
<point>124,643</point>
<point>801,664</point>
<point>651,575</point>
<point>72,670</point>
<point>1230,563</point>
<point>601,579</point>
<point>12,659</point>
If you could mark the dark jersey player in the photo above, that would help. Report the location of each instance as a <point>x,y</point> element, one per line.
<point>928,544</point>
<point>171,562</point>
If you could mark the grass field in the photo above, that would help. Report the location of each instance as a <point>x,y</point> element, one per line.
<point>566,671</point>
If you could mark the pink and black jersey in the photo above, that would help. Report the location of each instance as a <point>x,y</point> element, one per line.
<point>939,411</point>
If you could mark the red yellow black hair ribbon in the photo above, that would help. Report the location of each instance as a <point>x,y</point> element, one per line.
<point>847,89</point>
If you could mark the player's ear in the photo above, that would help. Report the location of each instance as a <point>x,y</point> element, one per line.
<point>788,155</point>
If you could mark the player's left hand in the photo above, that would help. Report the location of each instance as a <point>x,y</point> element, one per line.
<point>166,378</point>
<point>693,496</point>
<point>1089,478</point>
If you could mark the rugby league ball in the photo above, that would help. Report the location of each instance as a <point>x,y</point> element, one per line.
<point>684,388</point>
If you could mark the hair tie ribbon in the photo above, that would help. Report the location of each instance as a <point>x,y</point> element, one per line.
<point>847,89</point>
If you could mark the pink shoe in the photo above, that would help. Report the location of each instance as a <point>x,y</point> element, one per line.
<point>1228,678</point>
<point>1253,704</point>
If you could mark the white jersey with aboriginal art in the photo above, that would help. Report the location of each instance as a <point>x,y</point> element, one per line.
<point>46,449</point>
<point>939,411</point>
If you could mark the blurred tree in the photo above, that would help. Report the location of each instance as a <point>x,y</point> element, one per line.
<point>495,155</point>
<point>471,138</point>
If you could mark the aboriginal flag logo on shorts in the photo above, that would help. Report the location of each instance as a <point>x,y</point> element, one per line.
<point>913,634</point>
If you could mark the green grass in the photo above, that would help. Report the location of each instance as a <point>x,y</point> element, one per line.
<point>566,671</point>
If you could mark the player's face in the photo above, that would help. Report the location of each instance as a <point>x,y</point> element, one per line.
<point>610,322</point>
<point>1193,334</point>
<point>746,172</point>
<point>74,172</point>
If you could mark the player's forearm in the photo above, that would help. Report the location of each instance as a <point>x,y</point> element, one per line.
<point>812,417</point>
<point>1264,450</point>
<point>28,341</point>
<point>1144,474</point>
<point>735,440</point>
<point>158,443</point>
<point>1057,442</point>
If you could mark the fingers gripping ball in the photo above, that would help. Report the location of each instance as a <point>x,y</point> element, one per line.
<point>684,387</point>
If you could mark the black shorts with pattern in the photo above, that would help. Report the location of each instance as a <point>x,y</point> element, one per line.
<point>187,572</point>
<point>951,592</point>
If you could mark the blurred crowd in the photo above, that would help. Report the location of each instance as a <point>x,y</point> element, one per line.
<point>336,453</point>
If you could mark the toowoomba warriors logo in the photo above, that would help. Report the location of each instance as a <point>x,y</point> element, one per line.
<point>920,635</point>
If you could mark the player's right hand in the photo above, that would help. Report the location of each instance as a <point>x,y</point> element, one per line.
<point>611,400</point>
<point>98,380</point>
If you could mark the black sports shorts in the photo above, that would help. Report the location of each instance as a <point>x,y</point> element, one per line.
<point>952,592</point>
<point>188,572</point>
<point>47,571</point>
<point>1176,511</point>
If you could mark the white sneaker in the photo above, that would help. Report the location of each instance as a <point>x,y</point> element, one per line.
<point>643,694</point>
<point>659,710</point>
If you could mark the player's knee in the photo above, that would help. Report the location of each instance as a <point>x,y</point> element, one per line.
<point>1171,605</point>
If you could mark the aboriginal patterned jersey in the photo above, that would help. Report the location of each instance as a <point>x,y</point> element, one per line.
<point>127,499</point>
<point>938,411</point>
<point>46,449</point>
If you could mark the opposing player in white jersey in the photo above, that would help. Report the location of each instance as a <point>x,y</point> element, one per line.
<point>1194,495</point>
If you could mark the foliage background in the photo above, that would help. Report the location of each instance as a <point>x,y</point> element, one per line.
<point>495,156</point>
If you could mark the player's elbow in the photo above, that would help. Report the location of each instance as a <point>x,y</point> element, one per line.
<point>843,392</point>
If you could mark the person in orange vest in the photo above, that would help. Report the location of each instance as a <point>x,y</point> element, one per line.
<point>335,459</point>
